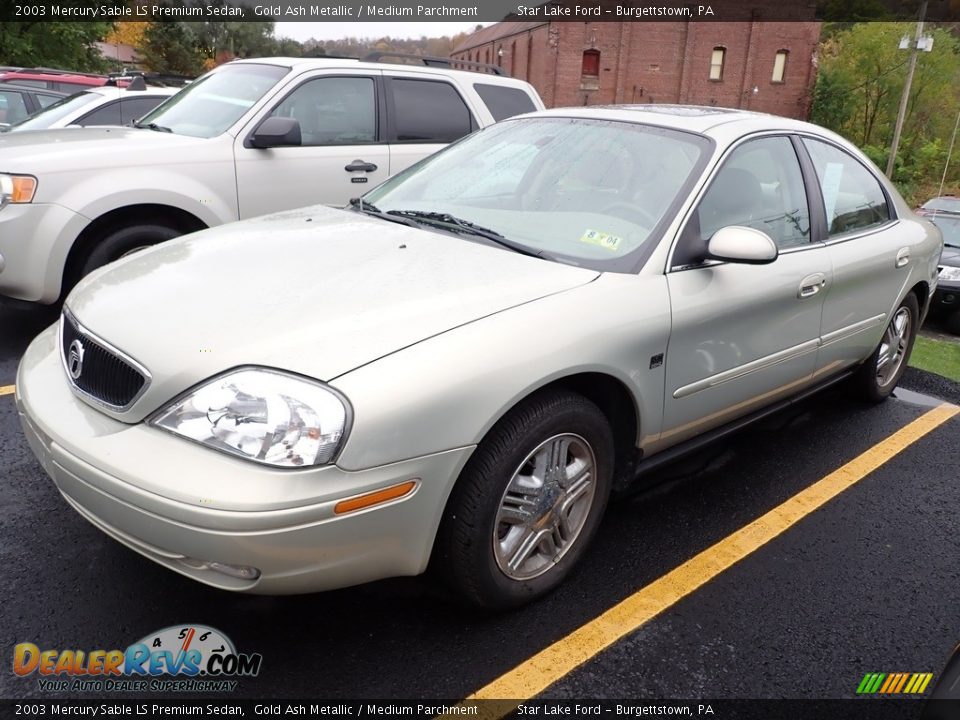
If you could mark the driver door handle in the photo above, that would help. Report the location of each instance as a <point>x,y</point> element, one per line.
<point>361,166</point>
<point>811,285</point>
<point>903,257</point>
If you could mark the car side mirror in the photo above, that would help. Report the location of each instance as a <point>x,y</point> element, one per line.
<point>739,244</point>
<point>277,132</point>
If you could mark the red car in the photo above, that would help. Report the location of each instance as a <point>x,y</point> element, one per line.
<point>58,80</point>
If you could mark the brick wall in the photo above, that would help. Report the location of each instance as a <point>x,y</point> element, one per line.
<point>663,62</point>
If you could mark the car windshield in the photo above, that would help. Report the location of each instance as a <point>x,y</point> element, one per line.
<point>949,227</point>
<point>583,191</point>
<point>943,204</point>
<point>55,112</point>
<point>210,105</point>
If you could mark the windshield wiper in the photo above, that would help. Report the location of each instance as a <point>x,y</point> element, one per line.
<point>465,226</point>
<point>360,205</point>
<point>153,126</point>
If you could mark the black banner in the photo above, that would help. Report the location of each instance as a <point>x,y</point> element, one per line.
<point>866,708</point>
<point>471,10</point>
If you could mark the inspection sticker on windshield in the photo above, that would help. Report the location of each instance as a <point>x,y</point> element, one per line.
<point>602,239</point>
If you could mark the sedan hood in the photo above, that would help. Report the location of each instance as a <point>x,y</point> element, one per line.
<point>314,291</point>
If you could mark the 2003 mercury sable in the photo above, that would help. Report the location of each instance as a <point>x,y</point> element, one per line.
<point>460,368</point>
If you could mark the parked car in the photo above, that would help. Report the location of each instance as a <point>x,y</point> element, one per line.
<point>107,105</point>
<point>17,103</point>
<point>463,367</point>
<point>64,81</point>
<point>946,299</point>
<point>250,137</point>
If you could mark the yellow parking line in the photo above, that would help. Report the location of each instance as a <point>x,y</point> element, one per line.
<point>533,676</point>
<point>7,389</point>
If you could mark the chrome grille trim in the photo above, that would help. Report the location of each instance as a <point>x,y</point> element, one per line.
<point>120,360</point>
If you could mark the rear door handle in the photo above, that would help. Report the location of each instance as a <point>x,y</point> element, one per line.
<point>360,166</point>
<point>903,257</point>
<point>811,285</point>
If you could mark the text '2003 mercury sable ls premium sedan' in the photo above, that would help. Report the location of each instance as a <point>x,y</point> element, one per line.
<point>460,368</point>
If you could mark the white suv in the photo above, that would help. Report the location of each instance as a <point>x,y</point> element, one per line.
<point>251,137</point>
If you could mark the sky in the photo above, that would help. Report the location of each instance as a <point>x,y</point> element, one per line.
<point>335,30</point>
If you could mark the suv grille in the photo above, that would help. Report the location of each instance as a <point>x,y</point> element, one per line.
<point>98,371</point>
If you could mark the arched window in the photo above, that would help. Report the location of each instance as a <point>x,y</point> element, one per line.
<point>591,63</point>
<point>716,63</point>
<point>779,65</point>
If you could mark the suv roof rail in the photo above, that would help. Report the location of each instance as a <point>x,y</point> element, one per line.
<point>432,61</point>
<point>55,71</point>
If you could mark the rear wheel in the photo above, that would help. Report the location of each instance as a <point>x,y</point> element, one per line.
<point>879,375</point>
<point>529,501</point>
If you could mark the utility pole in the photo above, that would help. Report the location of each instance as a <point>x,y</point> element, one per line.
<point>914,49</point>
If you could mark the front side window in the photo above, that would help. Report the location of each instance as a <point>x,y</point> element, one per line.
<point>209,106</point>
<point>13,108</point>
<point>428,111</point>
<point>596,193</point>
<point>759,186</point>
<point>333,110</point>
<point>716,63</point>
<point>852,197</point>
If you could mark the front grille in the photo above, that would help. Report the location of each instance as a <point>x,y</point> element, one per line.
<point>97,371</point>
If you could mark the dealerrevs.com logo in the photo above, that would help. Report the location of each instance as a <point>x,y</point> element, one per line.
<point>180,658</point>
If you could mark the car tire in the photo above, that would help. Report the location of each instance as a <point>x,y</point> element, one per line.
<point>879,375</point>
<point>513,505</point>
<point>124,241</point>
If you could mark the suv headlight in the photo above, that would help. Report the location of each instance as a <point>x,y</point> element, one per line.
<point>950,273</point>
<point>264,415</point>
<point>17,189</point>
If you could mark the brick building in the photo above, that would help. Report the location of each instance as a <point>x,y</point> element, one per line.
<point>754,64</point>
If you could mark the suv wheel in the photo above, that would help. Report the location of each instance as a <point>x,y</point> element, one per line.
<point>126,241</point>
<point>879,375</point>
<point>528,502</point>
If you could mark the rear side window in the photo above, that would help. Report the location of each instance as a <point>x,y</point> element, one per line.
<point>427,111</point>
<point>852,196</point>
<point>46,100</point>
<point>13,108</point>
<point>504,102</point>
<point>109,114</point>
<point>132,109</point>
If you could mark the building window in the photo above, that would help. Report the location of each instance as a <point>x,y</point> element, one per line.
<point>779,66</point>
<point>716,63</point>
<point>591,63</point>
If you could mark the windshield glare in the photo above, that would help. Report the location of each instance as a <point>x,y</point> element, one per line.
<point>590,192</point>
<point>60,109</point>
<point>207,107</point>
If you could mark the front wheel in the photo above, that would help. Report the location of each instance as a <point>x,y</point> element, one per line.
<point>879,375</point>
<point>528,502</point>
<point>126,241</point>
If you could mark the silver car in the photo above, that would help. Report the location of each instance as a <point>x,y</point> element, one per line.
<point>457,370</point>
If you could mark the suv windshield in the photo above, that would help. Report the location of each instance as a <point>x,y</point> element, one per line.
<point>587,192</point>
<point>52,113</point>
<point>213,103</point>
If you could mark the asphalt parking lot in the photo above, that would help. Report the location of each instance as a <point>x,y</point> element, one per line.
<point>867,581</point>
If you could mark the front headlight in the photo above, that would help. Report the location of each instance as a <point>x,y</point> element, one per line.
<point>264,415</point>
<point>17,189</point>
<point>950,273</point>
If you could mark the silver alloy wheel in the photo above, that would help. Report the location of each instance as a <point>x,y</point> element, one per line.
<point>893,347</point>
<point>544,507</point>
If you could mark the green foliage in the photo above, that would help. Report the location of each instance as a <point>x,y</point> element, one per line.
<point>171,47</point>
<point>860,81</point>
<point>67,45</point>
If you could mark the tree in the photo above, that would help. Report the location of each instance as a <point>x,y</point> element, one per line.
<point>67,45</point>
<point>171,47</point>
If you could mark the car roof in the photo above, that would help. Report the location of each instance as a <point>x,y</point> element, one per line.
<point>112,91</point>
<point>62,78</point>
<point>303,64</point>
<point>5,85</point>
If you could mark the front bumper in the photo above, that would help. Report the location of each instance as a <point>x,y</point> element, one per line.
<point>35,239</point>
<point>176,503</point>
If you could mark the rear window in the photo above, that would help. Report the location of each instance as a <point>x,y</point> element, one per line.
<point>504,102</point>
